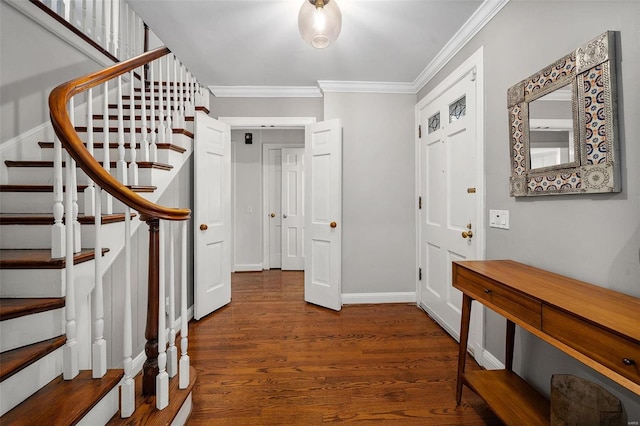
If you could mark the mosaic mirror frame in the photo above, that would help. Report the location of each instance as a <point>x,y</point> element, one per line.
<point>590,70</point>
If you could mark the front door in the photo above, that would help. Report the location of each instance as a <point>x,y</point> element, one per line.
<point>292,209</point>
<point>450,192</point>
<point>323,212</point>
<point>211,215</point>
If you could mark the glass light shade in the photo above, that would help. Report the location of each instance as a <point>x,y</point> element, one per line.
<point>320,26</point>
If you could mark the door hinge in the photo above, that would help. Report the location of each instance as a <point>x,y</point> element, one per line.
<point>420,203</point>
<point>419,274</point>
<point>419,131</point>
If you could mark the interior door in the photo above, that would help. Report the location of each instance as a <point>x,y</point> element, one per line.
<point>448,181</point>
<point>292,209</point>
<point>275,208</point>
<point>323,224</point>
<point>212,215</point>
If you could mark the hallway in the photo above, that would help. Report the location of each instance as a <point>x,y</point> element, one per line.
<point>271,358</point>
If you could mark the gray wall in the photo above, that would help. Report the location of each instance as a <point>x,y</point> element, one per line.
<point>247,188</point>
<point>378,184</point>
<point>593,238</point>
<point>32,63</point>
<point>266,107</point>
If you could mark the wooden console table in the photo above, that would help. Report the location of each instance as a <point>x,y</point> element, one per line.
<point>595,325</point>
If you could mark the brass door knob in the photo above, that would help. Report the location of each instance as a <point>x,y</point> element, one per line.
<point>204,227</point>
<point>333,224</point>
<point>273,215</point>
<point>469,233</point>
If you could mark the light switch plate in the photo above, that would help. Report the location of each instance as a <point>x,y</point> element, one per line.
<point>499,219</point>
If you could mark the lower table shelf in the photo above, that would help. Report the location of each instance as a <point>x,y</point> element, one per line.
<point>512,399</point>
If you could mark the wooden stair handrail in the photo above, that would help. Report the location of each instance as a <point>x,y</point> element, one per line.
<point>65,131</point>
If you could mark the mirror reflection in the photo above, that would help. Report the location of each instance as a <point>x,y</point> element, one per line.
<point>551,137</point>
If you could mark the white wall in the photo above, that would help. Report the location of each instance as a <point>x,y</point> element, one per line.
<point>378,230</point>
<point>594,238</point>
<point>247,191</point>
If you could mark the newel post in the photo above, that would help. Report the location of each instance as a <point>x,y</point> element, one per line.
<point>150,368</point>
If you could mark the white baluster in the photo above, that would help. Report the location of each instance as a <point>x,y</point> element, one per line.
<point>133,168</point>
<point>182,94</point>
<point>184,329</point>
<point>169,131</point>
<point>106,25</point>
<point>127,388</point>
<point>99,348</point>
<point>71,12</point>
<point>73,182</point>
<point>93,28</point>
<point>161,124</point>
<point>125,31</point>
<point>61,10</point>
<point>106,154</point>
<point>70,352</point>
<point>177,92</point>
<point>114,28</point>
<point>83,20</point>
<point>144,143</point>
<point>162,380</point>
<point>154,136</point>
<point>58,228</point>
<point>89,192</point>
<point>187,104</point>
<point>121,164</point>
<point>172,351</point>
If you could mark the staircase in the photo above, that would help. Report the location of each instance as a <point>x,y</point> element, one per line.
<point>54,367</point>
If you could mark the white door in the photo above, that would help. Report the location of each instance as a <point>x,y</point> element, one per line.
<point>449,188</point>
<point>323,212</point>
<point>211,215</point>
<point>275,207</point>
<point>292,209</point>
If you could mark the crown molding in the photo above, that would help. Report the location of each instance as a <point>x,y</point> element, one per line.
<point>331,86</point>
<point>487,10</point>
<point>265,91</point>
<point>268,122</point>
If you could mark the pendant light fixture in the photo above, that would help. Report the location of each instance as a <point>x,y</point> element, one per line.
<point>319,22</point>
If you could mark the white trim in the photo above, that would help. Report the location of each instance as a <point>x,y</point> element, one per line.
<point>185,411</point>
<point>487,10</point>
<point>490,362</point>
<point>362,298</point>
<point>331,86</point>
<point>66,35</point>
<point>248,267</point>
<point>270,122</point>
<point>265,91</point>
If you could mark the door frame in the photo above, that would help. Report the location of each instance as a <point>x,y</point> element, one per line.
<point>257,123</point>
<point>474,64</point>
<point>265,197</point>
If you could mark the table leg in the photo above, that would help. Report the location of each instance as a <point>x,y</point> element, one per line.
<point>508,352</point>
<point>464,337</point>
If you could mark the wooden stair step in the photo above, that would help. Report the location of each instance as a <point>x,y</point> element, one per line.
<point>146,412</point>
<point>49,188</point>
<point>41,258</point>
<point>47,219</point>
<point>128,117</point>
<point>40,163</point>
<point>11,308</point>
<point>138,106</point>
<point>13,361</point>
<point>63,402</point>
<point>114,145</point>
<point>97,129</point>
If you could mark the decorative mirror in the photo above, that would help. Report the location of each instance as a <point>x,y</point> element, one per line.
<point>563,125</point>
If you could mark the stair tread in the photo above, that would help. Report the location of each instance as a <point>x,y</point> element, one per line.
<point>13,361</point>
<point>64,402</point>
<point>47,219</point>
<point>49,188</point>
<point>146,412</point>
<point>114,145</point>
<point>40,258</point>
<point>45,163</point>
<point>16,307</point>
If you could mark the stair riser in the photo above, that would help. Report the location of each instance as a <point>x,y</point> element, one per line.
<point>103,410</point>
<point>29,329</point>
<point>39,236</point>
<point>39,176</point>
<point>23,384</point>
<point>42,202</point>
<point>32,282</point>
<point>114,123</point>
<point>165,156</point>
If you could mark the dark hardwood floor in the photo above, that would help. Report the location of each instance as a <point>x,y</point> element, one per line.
<point>269,358</point>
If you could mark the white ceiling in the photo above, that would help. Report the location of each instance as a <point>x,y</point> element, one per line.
<point>242,43</point>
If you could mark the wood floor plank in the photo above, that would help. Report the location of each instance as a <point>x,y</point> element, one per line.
<point>269,358</point>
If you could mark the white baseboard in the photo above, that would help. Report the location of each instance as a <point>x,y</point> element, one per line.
<point>362,298</point>
<point>248,267</point>
<point>490,362</point>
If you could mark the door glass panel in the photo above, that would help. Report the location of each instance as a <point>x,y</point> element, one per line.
<point>458,109</point>
<point>434,122</point>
